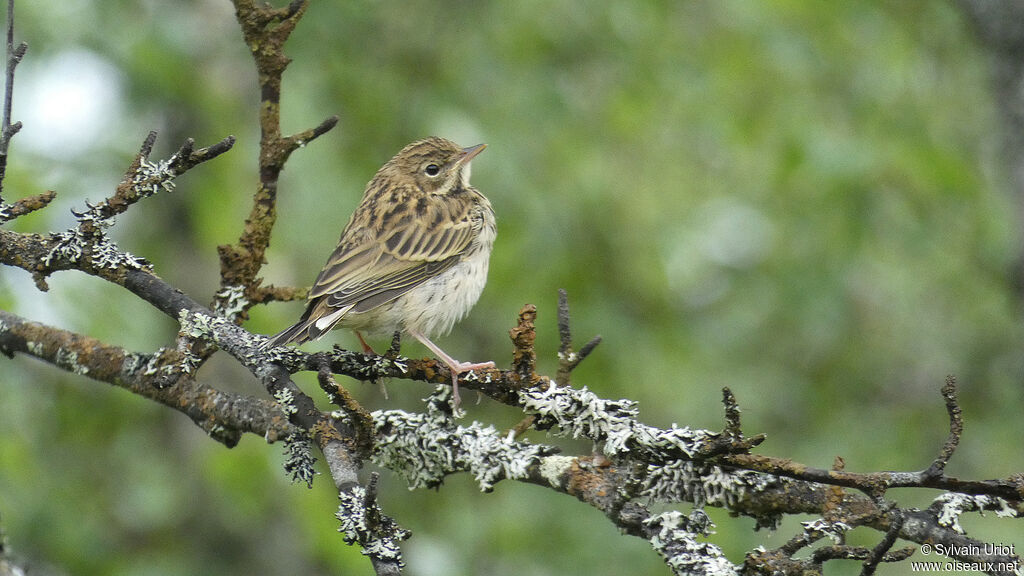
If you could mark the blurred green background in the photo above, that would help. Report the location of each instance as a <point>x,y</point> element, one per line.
<point>801,201</point>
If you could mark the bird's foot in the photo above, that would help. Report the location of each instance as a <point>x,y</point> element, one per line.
<point>470,366</point>
<point>459,368</point>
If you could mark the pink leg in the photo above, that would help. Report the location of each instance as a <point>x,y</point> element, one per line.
<point>454,365</point>
<point>366,347</point>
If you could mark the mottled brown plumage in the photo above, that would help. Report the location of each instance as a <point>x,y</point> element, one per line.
<point>413,256</point>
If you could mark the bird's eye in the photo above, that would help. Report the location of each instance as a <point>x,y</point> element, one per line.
<point>432,169</point>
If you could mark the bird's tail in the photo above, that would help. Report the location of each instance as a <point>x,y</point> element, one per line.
<point>302,331</point>
<point>313,324</point>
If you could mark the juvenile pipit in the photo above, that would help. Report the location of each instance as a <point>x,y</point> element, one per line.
<point>413,256</point>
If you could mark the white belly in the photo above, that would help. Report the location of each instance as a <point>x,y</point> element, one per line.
<point>433,307</point>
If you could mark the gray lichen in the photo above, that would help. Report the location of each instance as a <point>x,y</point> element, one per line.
<point>834,531</point>
<point>424,448</point>
<point>105,254</point>
<point>581,413</point>
<point>149,178</point>
<point>950,506</point>
<point>35,348</point>
<point>554,468</point>
<point>230,301</point>
<point>196,324</point>
<point>286,400</point>
<point>72,246</point>
<point>363,523</point>
<point>300,459</point>
<point>676,541</point>
<point>682,481</point>
<point>705,484</point>
<point>68,359</point>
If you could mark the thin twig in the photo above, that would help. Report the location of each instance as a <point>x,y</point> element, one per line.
<point>265,29</point>
<point>833,508</point>
<point>27,205</point>
<point>585,351</point>
<point>300,139</point>
<point>956,429</point>
<point>871,482</point>
<point>144,178</point>
<point>8,130</point>
<point>271,293</point>
<point>732,414</point>
<point>565,355</point>
<point>564,333</point>
<point>879,552</point>
<point>361,420</point>
<point>567,359</point>
<point>396,346</point>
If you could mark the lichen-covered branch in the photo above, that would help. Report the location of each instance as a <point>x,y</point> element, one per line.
<point>637,464</point>
<point>145,178</point>
<point>163,376</point>
<point>265,29</point>
<point>86,247</point>
<point>25,205</point>
<point>663,465</point>
<point>424,448</point>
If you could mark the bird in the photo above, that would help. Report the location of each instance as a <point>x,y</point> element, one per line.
<point>413,257</point>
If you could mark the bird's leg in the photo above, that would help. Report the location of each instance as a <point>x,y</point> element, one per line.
<point>368,350</point>
<point>454,365</point>
<point>366,347</point>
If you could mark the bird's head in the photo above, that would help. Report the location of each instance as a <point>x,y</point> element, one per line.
<point>434,165</point>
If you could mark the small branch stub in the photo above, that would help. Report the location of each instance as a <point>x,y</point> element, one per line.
<point>956,429</point>
<point>568,360</point>
<point>524,359</point>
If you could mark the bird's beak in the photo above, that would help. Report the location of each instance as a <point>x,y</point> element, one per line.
<point>469,153</point>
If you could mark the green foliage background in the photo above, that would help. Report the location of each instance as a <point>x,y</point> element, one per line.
<point>801,201</point>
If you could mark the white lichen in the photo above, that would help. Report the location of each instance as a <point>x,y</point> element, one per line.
<point>951,506</point>
<point>195,324</point>
<point>131,364</point>
<point>286,400</point>
<point>68,359</point>
<point>676,541</point>
<point>68,246</point>
<point>299,459</point>
<point>152,364</point>
<point>105,254</point>
<point>570,357</point>
<point>363,523</point>
<point>149,178</point>
<point>402,364</point>
<point>554,469</point>
<point>424,448</point>
<point>230,301</point>
<point>72,246</point>
<point>581,413</point>
<point>681,481</point>
<point>834,531</point>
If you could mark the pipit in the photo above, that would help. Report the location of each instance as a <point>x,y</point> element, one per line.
<point>413,256</point>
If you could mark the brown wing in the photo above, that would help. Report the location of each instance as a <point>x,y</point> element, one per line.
<point>402,249</point>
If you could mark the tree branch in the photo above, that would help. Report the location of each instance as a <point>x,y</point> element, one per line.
<point>265,30</point>
<point>638,464</point>
<point>164,376</point>
<point>8,130</point>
